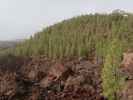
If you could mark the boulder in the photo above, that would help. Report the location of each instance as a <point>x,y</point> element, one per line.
<point>55,73</point>
<point>35,94</point>
<point>127,91</point>
<point>8,84</point>
<point>127,60</point>
<point>126,69</point>
<point>127,65</point>
<point>74,81</point>
<point>35,69</point>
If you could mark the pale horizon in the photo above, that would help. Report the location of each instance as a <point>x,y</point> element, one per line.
<point>19,19</point>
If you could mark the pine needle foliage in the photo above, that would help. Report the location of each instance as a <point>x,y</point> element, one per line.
<point>108,34</point>
<point>110,74</point>
<point>77,36</point>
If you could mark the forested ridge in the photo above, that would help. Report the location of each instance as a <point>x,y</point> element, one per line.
<point>101,36</point>
<point>77,36</point>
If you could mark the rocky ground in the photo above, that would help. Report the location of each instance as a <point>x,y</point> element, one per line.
<point>40,78</point>
<point>127,70</point>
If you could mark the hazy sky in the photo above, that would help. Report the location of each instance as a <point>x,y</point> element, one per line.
<point>21,18</point>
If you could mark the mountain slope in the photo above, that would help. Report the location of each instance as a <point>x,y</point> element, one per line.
<point>79,36</point>
<point>98,42</point>
<point>8,44</point>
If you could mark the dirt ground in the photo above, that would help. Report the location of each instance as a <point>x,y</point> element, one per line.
<point>40,78</point>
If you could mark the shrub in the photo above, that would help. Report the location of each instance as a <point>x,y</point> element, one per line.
<point>110,75</point>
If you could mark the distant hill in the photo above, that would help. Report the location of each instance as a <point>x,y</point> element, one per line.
<point>9,44</point>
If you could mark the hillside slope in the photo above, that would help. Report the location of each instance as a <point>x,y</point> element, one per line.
<point>79,35</point>
<point>8,44</point>
<point>76,59</point>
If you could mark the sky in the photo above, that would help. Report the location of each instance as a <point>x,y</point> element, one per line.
<point>20,19</point>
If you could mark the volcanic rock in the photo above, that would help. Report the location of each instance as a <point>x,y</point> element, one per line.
<point>8,85</point>
<point>126,69</point>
